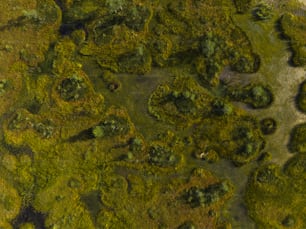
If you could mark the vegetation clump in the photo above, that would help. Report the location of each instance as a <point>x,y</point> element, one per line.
<point>242,6</point>
<point>44,129</point>
<point>72,89</point>
<point>262,12</point>
<point>3,86</point>
<point>137,17</point>
<point>297,142</point>
<point>137,61</point>
<point>293,28</point>
<point>256,95</point>
<point>162,156</point>
<point>20,121</point>
<point>182,101</point>
<point>301,97</point>
<point>27,226</point>
<point>66,152</point>
<point>268,126</point>
<point>264,157</point>
<point>276,189</point>
<point>197,197</point>
<point>289,221</point>
<point>10,203</point>
<point>246,63</point>
<point>296,166</point>
<point>220,107</point>
<point>248,143</point>
<point>241,143</point>
<point>267,174</point>
<point>115,6</point>
<point>136,144</point>
<point>131,37</point>
<point>259,96</point>
<point>209,45</point>
<point>111,126</point>
<point>217,51</point>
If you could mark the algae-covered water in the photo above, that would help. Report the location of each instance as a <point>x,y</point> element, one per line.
<point>152,114</point>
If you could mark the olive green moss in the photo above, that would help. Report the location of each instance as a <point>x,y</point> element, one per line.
<point>147,34</point>
<point>241,138</point>
<point>67,175</point>
<point>27,226</point>
<point>80,163</point>
<point>242,6</point>
<point>262,11</point>
<point>78,158</point>
<point>72,88</point>
<point>65,210</point>
<point>295,167</point>
<point>161,156</point>
<point>10,203</point>
<point>293,28</point>
<point>3,86</point>
<point>297,143</point>
<point>275,197</point>
<point>182,101</point>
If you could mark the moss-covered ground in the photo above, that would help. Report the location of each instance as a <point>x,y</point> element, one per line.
<point>152,114</point>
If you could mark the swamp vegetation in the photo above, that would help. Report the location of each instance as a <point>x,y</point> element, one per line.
<point>152,114</point>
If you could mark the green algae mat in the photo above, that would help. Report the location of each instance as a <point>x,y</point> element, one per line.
<point>144,114</point>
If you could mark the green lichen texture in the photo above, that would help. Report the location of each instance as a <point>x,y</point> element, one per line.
<point>152,114</point>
